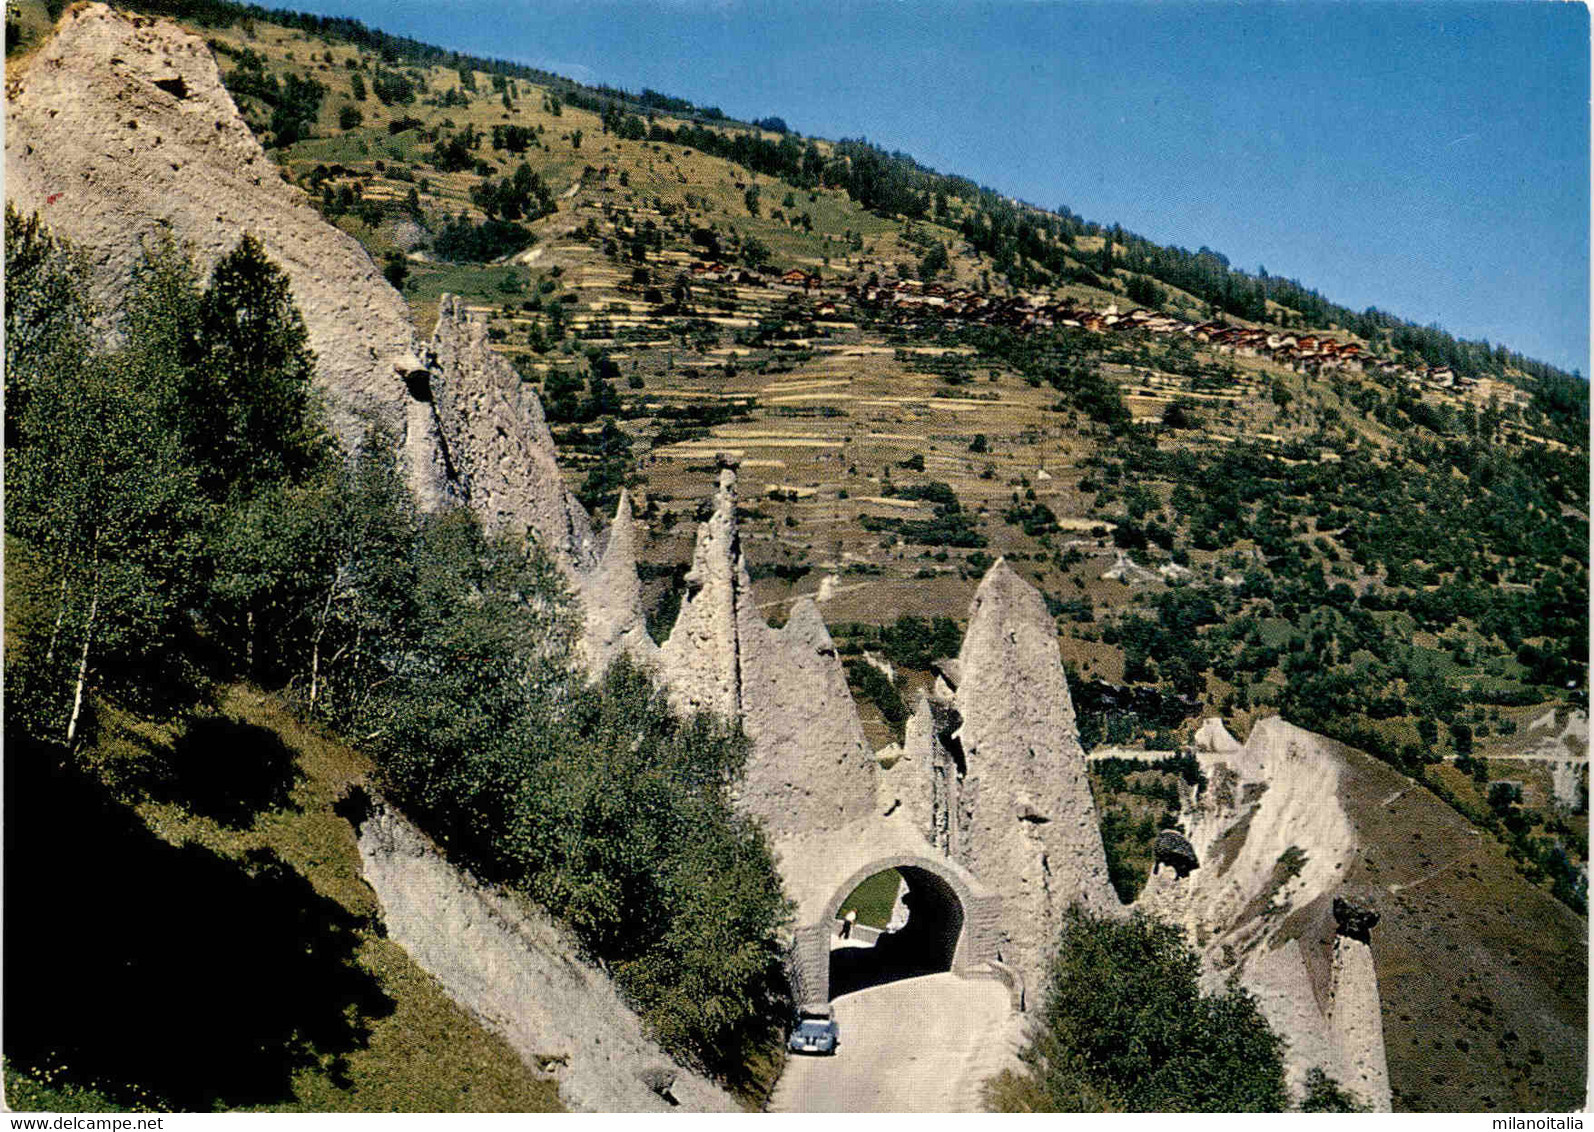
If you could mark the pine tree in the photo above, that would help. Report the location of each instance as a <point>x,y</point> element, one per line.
<point>250,414</point>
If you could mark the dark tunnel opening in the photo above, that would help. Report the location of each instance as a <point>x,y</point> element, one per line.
<point>925,945</point>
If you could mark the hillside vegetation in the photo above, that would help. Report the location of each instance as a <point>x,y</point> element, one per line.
<point>178,520</point>
<point>1236,495</point>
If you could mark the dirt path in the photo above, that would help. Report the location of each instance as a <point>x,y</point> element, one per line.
<point>914,1045</point>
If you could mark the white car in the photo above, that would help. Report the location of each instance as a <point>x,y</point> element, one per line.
<point>814,1030</point>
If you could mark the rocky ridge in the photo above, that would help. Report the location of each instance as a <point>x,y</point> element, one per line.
<point>495,441</point>
<point>120,134</point>
<point>514,969</point>
<point>1274,843</point>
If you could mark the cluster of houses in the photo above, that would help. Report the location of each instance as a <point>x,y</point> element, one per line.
<point>1305,353</point>
<point>794,280</point>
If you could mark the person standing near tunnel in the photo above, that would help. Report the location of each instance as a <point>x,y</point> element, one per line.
<point>847,921</point>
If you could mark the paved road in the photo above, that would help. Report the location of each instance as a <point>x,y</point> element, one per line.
<point>914,1045</point>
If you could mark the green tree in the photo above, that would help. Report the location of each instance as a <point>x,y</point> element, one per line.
<point>278,568</point>
<point>332,608</point>
<point>755,253</point>
<point>1126,1027</point>
<point>396,269</point>
<point>1324,1094</point>
<point>248,413</point>
<point>101,499</point>
<point>101,493</point>
<point>47,315</point>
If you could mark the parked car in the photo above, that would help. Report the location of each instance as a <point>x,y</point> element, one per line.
<point>814,1029</point>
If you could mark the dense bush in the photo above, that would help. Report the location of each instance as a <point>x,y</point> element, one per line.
<point>294,103</point>
<point>599,802</point>
<point>950,525</point>
<point>1125,1027</point>
<point>460,241</point>
<point>869,683</point>
<point>914,642</point>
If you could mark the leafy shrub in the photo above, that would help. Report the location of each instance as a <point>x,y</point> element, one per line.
<point>460,241</point>
<point>1125,1027</point>
<point>871,684</point>
<point>914,642</point>
<point>1323,1094</point>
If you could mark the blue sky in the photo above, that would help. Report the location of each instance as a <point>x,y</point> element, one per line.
<point>1431,159</point>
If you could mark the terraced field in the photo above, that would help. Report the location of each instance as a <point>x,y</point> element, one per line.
<point>918,376</point>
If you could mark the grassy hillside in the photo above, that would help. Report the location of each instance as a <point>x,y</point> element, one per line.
<point>1386,541</point>
<point>276,991</point>
<point>1483,979</point>
<point>1389,546</point>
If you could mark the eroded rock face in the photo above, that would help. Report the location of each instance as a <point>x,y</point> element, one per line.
<point>921,783</point>
<point>810,769</point>
<point>1031,829</point>
<point>514,968</point>
<point>120,132</point>
<point>1213,736</point>
<point>1275,842</point>
<point>497,446</point>
<point>1356,1016</point>
<point>611,597</point>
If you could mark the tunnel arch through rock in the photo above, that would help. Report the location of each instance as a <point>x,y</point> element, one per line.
<point>953,925</point>
<point>926,944</point>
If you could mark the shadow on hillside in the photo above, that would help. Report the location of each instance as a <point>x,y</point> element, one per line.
<point>205,981</point>
<point>227,771</point>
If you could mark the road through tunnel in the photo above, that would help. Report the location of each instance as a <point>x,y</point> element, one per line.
<point>947,920</point>
<point>925,944</point>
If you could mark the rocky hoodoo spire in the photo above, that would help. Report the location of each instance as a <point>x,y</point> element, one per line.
<point>810,769</point>
<point>611,596</point>
<point>920,780</point>
<point>702,662</point>
<point>119,132</point>
<point>1030,828</point>
<point>498,449</point>
<point>1354,1008</point>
